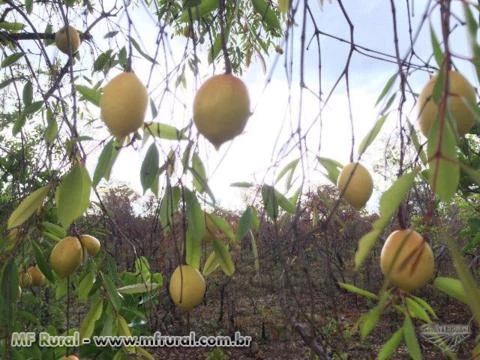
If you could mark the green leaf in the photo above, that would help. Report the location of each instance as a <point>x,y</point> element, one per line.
<point>223,257</point>
<point>444,169</point>
<point>270,201</point>
<point>437,50</point>
<point>27,93</point>
<point>367,141</point>
<point>211,264</point>
<point>411,339</point>
<point>28,207</point>
<point>138,288</point>
<point>105,162</point>
<point>9,291</point>
<point>42,262</point>
<point>333,168</point>
<point>369,321</point>
<point>143,53</point>
<point>33,108</point>
<point>122,326</point>
<point>52,127</point>
<point>416,310</point>
<point>356,290</point>
<point>451,287</point>
<point>114,296</point>
<point>386,88</point>
<point>195,230</point>
<point>169,205</point>
<point>88,323</point>
<point>256,260</point>
<point>164,131</point>
<point>11,26</point>
<point>391,345</point>
<point>393,197</point>
<point>200,176</point>
<point>269,17</point>
<point>244,224</point>
<point>289,168</point>
<point>242,184</point>
<point>223,225</point>
<point>89,94</point>
<point>73,195</point>
<point>424,305</point>
<point>149,169</point>
<point>86,285</point>
<point>365,246</point>
<point>29,6</point>
<point>198,12</point>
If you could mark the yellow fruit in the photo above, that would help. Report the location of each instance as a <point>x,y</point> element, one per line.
<point>460,93</point>
<point>360,184</point>
<point>38,279</point>
<point>123,104</point>
<point>25,279</point>
<point>221,108</point>
<point>414,264</point>
<point>65,43</point>
<point>66,256</point>
<point>187,287</point>
<point>70,357</point>
<point>91,244</point>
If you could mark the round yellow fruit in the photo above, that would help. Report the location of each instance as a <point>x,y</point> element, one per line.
<point>66,256</point>
<point>68,44</point>
<point>360,184</point>
<point>25,280</point>
<point>38,279</point>
<point>91,244</point>
<point>221,108</point>
<point>70,357</point>
<point>460,93</point>
<point>187,287</point>
<point>123,104</point>
<point>407,259</point>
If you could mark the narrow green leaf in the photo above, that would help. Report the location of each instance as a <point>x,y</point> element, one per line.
<point>256,259</point>
<point>444,169</point>
<point>269,17</point>
<point>114,296</point>
<point>356,290</point>
<point>88,323</point>
<point>270,201</point>
<point>28,207</point>
<point>211,264</point>
<point>391,345</point>
<point>365,246</point>
<point>417,311</point>
<point>223,225</point>
<point>42,262</point>
<point>223,257</point>
<point>200,180</point>
<point>10,60</point>
<point>89,94</point>
<point>333,168</point>
<point>73,195</point>
<point>289,168</point>
<point>195,230</point>
<point>451,287</point>
<point>392,198</point>
<point>138,288</point>
<point>149,169</point>
<point>242,184</point>
<point>411,339</point>
<point>105,162</point>
<point>52,127</point>
<point>33,108</point>
<point>424,305</point>
<point>244,224</point>
<point>368,140</point>
<point>164,131</point>
<point>386,88</point>
<point>198,12</point>
<point>9,289</point>
<point>143,53</point>
<point>12,26</point>
<point>169,205</point>
<point>86,285</point>
<point>437,50</point>
<point>29,6</point>
<point>27,93</point>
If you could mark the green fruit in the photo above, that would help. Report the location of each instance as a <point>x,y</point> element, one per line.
<point>360,184</point>
<point>221,108</point>
<point>68,44</point>
<point>66,256</point>
<point>187,287</point>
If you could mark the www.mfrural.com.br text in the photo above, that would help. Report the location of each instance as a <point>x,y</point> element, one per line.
<point>44,339</point>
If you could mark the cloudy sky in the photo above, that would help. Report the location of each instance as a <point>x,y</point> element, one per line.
<point>250,156</point>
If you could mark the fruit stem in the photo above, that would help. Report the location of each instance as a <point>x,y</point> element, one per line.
<point>222,14</point>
